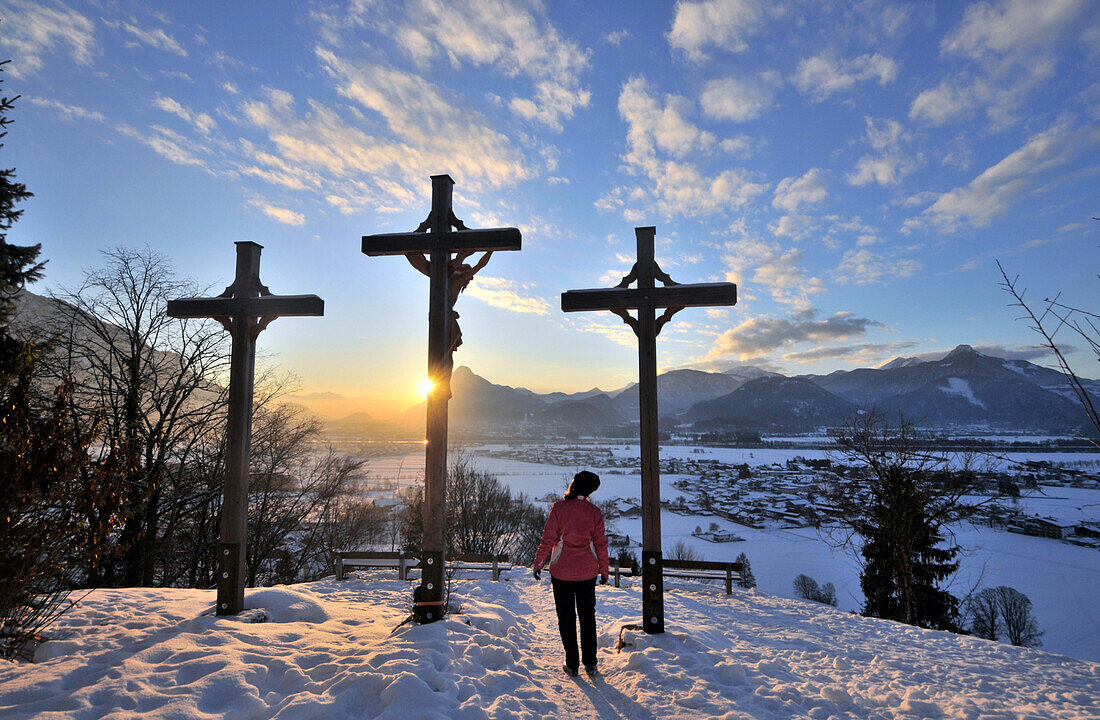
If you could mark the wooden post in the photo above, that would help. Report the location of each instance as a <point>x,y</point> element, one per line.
<point>645,299</point>
<point>443,287</point>
<point>729,579</point>
<point>616,573</point>
<point>244,309</point>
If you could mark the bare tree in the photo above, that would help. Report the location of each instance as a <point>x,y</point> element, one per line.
<point>806,587</point>
<point>1021,628</point>
<point>1050,318</point>
<point>151,378</point>
<point>681,550</point>
<point>983,615</point>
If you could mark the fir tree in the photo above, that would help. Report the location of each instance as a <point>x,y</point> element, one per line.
<point>18,264</point>
<point>748,580</point>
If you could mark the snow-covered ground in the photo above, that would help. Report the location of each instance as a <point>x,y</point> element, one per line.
<point>1060,579</point>
<point>330,650</point>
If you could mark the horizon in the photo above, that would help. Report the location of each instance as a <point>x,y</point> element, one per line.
<point>354,405</point>
<point>856,171</point>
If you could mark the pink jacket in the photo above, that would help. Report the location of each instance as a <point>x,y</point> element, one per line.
<point>574,531</point>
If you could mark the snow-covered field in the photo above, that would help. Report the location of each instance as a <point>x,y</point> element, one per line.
<point>330,650</point>
<point>1060,579</point>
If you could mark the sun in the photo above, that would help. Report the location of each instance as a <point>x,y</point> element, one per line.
<point>425,387</point>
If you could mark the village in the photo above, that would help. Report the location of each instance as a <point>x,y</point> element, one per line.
<point>788,494</point>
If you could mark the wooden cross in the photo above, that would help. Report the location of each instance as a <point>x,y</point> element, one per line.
<point>646,298</point>
<point>244,309</point>
<point>448,277</point>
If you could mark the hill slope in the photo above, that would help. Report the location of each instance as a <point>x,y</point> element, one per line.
<point>327,651</point>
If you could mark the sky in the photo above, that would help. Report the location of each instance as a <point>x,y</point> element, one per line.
<point>857,168</point>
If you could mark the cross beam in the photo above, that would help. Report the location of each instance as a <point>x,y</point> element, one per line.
<point>440,235</point>
<point>646,298</point>
<point>244,309</point>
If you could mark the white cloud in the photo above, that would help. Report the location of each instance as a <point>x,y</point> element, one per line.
<point>806,190</point>
<point>279,214</point>
<point>67,111</point>
<point>941,104</point>
<point>1010,45</point>
<point>822,75</point>
<point>862,267</point>
<point>155,38</point>
<point>773,268</point>
<point>889,166</point>
<point>660,139</point>
<point>736,99</point>
<point>653,126</point>
<point>32,30</point>
<point>507,295</point>
<point>405,131</point>
<point>615,37</point>
<point>884,170</point>
<point>201,121</point>
<point>724,24</point>
<point>1011,26</point>
<point>166,143</point>
<point>513,37</point>
<point>992,192</point>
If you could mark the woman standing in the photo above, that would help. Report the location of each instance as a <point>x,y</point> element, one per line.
<point>574,532</point>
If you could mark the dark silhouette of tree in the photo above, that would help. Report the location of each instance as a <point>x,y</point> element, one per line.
<point>1005,612</point>
<point>18,264</point>
<point>807,588</point>
<point>747,579</point>
<point>897,505</point>
<point>983,616</point>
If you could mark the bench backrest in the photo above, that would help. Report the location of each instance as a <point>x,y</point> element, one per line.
<point>702,565</point>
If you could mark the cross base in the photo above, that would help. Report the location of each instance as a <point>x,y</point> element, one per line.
<point>231,576</point>
<point>653,592</point>
<point>429,599</point>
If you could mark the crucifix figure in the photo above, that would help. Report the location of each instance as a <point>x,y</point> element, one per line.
<point>646,298</point>
<point>244,309</point>
<point>429,249</point>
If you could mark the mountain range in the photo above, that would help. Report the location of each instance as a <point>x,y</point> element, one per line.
<point>964,391</point>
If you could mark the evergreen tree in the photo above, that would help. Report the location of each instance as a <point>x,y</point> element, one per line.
<point>898,501</point>
<point>748,580</point>
<point>18,264</point>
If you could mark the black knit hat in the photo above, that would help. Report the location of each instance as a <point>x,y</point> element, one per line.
<point>584,484</point>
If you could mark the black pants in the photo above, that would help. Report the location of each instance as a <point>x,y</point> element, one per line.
<point>573,599</point>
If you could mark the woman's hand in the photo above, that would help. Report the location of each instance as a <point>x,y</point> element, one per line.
<point>538,575</point>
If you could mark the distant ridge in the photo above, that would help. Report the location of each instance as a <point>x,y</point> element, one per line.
<point>964,390</point>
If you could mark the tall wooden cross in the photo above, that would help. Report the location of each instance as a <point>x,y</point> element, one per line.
<point>448,276</point>
<point>244,309</point>
<point>646,298</point>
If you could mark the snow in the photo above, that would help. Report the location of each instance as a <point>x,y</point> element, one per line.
<point>1060,579</point>
<point>960,387</point>
<point>335,650</point>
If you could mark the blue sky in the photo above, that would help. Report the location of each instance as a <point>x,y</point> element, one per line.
<point>856,167</point>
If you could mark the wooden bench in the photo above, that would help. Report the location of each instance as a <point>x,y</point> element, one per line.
<point>697,570</point>
<point>404,562</point>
